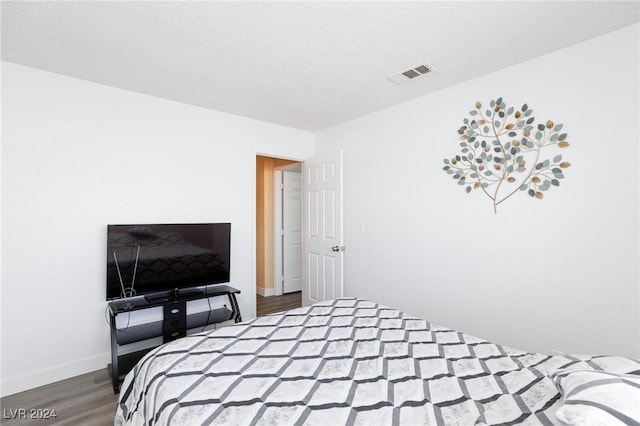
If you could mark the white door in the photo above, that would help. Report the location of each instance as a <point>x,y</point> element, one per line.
<point>291,231</point>
<point>323,260</point>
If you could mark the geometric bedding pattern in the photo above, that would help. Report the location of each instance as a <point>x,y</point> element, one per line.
<point>344,361</point>
<point>598,397</point>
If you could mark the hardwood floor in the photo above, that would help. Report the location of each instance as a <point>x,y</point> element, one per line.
<point>83,400</point>
<point>273,304</point>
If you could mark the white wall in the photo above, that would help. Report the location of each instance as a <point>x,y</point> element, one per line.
<point>560,273</point>
<point>77,156</point>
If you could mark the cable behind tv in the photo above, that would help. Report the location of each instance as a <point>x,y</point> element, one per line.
<point>131,292</point>
<point>135,268</point>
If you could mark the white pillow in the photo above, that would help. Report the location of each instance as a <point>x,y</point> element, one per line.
<point>591,398</point>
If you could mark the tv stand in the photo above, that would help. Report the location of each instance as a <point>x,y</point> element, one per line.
<point>175,323</point>
<point>176,294</point>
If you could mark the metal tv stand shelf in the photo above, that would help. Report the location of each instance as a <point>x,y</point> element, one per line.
<point>174,324</point>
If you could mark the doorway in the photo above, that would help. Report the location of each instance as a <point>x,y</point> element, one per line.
<point>273,259</point>
<point>287,202</point>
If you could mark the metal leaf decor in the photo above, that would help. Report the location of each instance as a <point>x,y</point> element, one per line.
<point>501,153</point>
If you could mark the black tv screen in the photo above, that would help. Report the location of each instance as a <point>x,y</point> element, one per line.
<point>146,259</point>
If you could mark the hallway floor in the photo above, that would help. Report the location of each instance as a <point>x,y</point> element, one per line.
<point>273,304</point>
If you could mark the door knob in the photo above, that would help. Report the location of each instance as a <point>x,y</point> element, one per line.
<point>337,248</point>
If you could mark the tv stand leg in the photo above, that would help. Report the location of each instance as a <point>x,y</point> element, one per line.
<point>115,374</point>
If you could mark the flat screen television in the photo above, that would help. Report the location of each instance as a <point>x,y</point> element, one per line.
<point>152,259</point>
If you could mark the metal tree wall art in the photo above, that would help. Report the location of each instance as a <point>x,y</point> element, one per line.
<point>501,151</point>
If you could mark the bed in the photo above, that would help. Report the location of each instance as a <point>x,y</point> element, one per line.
<point>354,362</point>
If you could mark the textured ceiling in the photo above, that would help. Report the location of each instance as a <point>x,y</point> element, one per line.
<point>308,65</point>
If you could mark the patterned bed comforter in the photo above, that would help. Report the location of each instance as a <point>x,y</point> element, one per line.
<point>344,361</point>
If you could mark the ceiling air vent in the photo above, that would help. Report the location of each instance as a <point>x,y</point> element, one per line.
<point>403,77</point>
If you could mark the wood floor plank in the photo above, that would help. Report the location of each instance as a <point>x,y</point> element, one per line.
<point>273,304</point>
<point>83,400</point>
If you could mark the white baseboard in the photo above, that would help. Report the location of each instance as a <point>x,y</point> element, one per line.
<point>12,385</point>
<point>265,292</point>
